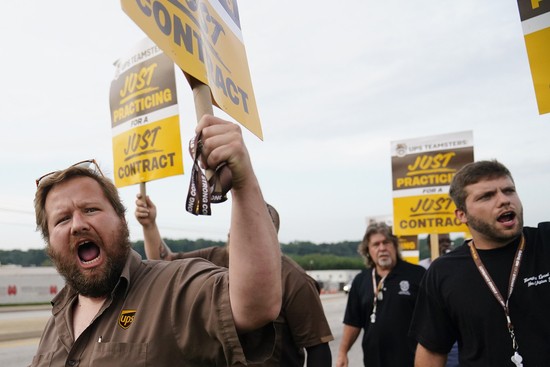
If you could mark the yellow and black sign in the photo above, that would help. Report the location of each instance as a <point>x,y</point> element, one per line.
<point>422,170</point>
<point>535,21</point>
<point>409,248</point>
<point>126,318</point>
<point>144,117</point>
<point>204,39</point>
<point>426,214</point>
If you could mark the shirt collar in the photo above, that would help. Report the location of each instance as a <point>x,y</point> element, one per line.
<point>67,294</point>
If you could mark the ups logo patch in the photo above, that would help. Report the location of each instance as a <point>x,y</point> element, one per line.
<point>126,318</point>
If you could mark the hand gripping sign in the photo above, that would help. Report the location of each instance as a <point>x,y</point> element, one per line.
<point>203,37</point>
<point>203,191</point>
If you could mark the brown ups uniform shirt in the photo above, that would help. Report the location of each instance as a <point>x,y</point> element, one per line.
<point>301,323</point>
<point>160,314</point>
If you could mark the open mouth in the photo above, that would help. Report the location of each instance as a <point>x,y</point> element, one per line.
<point>506,217</point>
<point>88,253</point>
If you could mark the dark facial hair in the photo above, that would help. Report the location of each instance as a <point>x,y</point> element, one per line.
<point>491,232</point>
<point>97,282</point>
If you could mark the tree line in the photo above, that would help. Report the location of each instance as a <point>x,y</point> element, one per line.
<point>311,256</point>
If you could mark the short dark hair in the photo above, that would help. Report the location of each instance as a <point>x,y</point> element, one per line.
<point>473,173</point>
<point>48,183</point>
<point>375,228</point>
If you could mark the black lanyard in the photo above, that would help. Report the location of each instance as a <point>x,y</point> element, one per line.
<point>492,286</point>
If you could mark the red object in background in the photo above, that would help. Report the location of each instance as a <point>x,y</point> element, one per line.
<point>53,289</point>
<point>12,290</point>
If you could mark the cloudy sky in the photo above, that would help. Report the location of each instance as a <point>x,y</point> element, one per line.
<point>334,85</point>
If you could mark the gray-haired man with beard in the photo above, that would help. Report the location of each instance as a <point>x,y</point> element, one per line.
<point>381,302</point>
<point>118,310</point>
<point>492,294</point>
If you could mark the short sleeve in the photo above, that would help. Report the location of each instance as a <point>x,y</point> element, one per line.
<point>202,318</point>
<point>304,313</point>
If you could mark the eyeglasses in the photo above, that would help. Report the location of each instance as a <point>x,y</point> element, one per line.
<point>88,163</point>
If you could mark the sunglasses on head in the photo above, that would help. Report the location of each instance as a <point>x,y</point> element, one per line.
<point>88,163</point>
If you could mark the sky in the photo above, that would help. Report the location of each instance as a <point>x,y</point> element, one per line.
<point>334,85</point>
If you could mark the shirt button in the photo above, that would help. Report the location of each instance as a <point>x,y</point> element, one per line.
<point>72,362</point>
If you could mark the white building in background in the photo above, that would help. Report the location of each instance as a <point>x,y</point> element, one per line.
<point>332,280</point>
<point>23,285</point>
<point>27,285</point>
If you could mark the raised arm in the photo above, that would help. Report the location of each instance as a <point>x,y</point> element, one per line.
<point>146,215</point>
<point>254,252</point>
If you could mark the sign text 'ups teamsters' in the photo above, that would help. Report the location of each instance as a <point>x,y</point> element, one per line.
<point>422,170</point>
<point>144,117</point>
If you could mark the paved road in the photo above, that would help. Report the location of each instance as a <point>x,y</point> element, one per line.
<point>20,329</point>
<point>28,324</point>
<point>335,306</point>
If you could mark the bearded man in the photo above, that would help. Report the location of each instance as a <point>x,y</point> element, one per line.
<point>492,294</point>
<point>381,303</point>
<point>118,310</point>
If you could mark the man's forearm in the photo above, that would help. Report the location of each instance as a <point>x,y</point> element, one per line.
<point>254,252</point>
<point>154,245</point>
<point>349,336</point>
<point>254,260</point>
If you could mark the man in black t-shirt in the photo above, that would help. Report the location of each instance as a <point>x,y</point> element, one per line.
<point>381,302</point>
<point>492,294</point>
